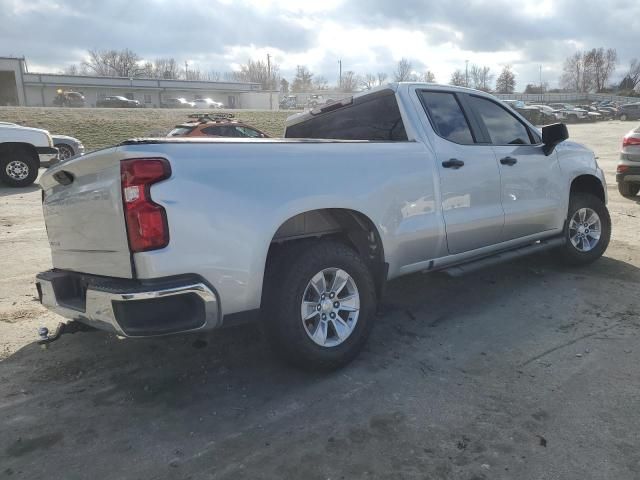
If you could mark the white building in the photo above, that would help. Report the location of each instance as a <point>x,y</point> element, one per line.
<point>19,87</point>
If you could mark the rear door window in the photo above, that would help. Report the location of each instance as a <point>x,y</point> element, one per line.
<point>502,126</point>
<point>375,118</point>
<point>447,117</point>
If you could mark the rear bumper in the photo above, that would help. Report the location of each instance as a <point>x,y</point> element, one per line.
<point>131,308</point>
<point>631,174</point>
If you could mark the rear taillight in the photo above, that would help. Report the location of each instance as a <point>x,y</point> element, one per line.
<point>622,168</point>
<point>147,226</point>
<point>630,140</point>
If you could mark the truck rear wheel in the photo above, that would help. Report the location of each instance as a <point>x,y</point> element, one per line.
<point>18,167</point>
<point>588,230</point>
<point>320,304</point>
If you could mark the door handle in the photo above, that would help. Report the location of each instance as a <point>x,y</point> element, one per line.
<point>508,161</point>
<point>453,163</point>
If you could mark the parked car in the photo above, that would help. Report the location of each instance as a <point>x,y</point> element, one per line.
<point>182,235</point>
<point>629,111</point>
<point>536,115</point>
<point>628,171</point>
<point>571,112</point>
<point>23,150</point>
<point>215,125</point>
<point>117,101</point>
<point>67,147</point>
<point>558,114</point>
<point>289,102</point>
<point>68,99</point>
<point>206,103</point>
<point>177,103</point>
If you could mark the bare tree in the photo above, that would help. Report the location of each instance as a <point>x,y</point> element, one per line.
<point>428,77</point>
<point>114,63</point>
<point>632,77</point>
<point>603,64</point>
<point>458,79</point>
<point>589,70</point>
<point>506,82</point>
<point>369,81</point>
<point>213,76</point>
<point>320,83</point>
<point>268,76</point>
<point>350,81</point>
<point>572,72</point>
<point>284,86</point>
<point>403,71</point>
<point>382,78</point>
<point>166,68</point>
<point>75,70</point>
<point>481,77</point>
<point>193,74</point>
<point>303,81</point>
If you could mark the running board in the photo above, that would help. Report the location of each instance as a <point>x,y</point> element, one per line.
<point>474,265</point>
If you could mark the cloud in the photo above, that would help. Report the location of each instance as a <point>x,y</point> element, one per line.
<point>367,35</point>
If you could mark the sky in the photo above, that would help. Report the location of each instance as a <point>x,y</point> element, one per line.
<point>369,36</point>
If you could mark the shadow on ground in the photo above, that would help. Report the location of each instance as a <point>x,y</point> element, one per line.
<point>452,384</point>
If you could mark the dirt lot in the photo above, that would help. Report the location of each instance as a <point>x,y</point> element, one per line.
<point>524,371</point>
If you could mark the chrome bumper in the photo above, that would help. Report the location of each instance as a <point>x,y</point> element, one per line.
<point>116,305</point>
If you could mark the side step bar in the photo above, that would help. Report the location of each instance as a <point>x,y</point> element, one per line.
<point>474,265</point>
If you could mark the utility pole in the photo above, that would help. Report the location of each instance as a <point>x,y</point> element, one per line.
<point>541,92</point>
<point>466,73</point>
<point>340,74</point>
<point>269,81</point>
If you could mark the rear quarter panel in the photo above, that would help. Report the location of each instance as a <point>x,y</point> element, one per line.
<point>225,202</point>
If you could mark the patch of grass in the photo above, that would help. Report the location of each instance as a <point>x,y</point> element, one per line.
<point>102,127</point>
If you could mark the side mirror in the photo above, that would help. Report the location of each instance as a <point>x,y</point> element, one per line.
<point>552,135</point>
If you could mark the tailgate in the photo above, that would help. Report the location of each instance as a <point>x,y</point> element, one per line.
<point>83,213</point>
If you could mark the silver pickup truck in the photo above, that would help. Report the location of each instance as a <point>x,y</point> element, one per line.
<point>160,236</point>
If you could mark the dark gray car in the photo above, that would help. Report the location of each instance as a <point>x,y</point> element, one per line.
<point>630,111</point>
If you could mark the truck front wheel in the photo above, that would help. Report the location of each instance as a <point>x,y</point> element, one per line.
<point>18,167</point>
<point>320,304</point>
<point>587,231</point>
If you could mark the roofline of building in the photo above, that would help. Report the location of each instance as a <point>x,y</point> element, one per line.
<point>137,78</point>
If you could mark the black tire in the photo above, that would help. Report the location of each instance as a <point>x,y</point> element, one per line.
<point>64,151</point>
<point>628,190</point>
<point>285,284</point>
<point>570,254</point>
<point>12,165</point>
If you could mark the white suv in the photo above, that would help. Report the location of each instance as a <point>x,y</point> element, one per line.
<point>22,151</point>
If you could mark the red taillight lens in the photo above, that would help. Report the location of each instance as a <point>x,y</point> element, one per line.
<point>630,140</point>
<point>622,168</point>
<point>146,221</point>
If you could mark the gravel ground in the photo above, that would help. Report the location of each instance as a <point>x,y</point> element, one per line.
<point>527,370</point>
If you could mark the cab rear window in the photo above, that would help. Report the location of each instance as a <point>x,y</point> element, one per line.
<point>375,118</point>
